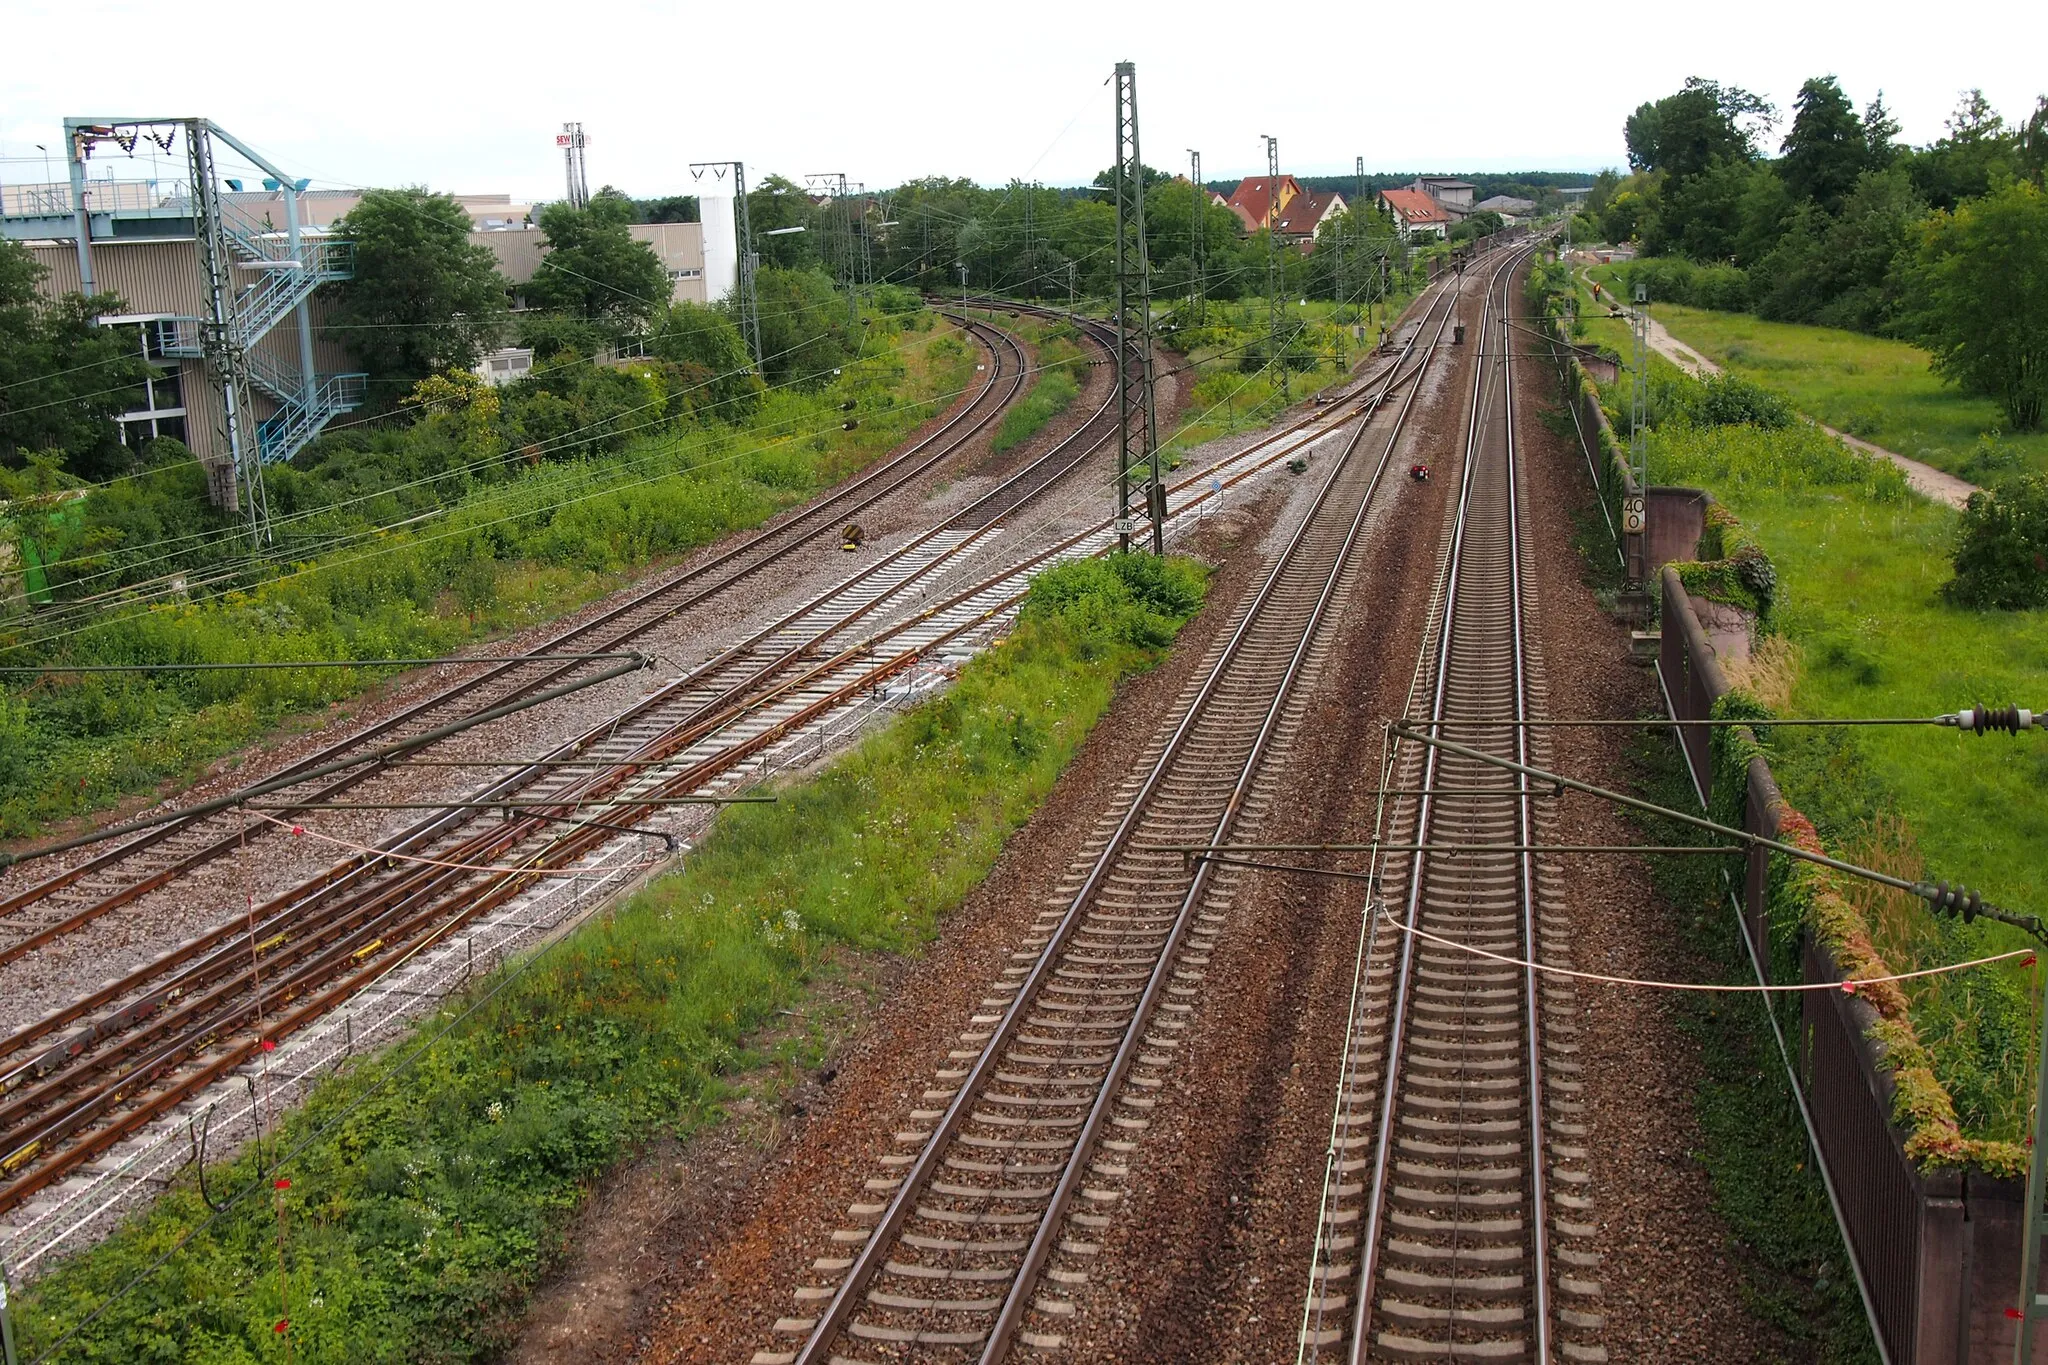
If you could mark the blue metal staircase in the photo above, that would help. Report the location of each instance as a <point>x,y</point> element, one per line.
<point>285,432</point>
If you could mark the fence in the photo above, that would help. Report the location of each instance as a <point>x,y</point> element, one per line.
<point>1939,1253</point>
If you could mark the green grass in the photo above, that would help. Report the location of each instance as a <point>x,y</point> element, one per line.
<point>1859,572</point>
<point>1787,1247</point>
<point>1224,399</point>
<point>1872,387</point>
<point>500,558</point>
<point>425,1203</point>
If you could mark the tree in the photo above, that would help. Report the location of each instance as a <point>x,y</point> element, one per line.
<point>63,378</point>
<point>1978,290</point>
<point>423,298</point>
<point>804,335</point>
<point>1683,134</point>
<point>1880,134</point>
<point>710,356</point>
<point>669,208</point>
<point>594,268</point>
<point>1978,149</point>
<point>1826,148</point>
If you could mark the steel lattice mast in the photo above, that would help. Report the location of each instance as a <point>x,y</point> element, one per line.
<point>1136,422</point>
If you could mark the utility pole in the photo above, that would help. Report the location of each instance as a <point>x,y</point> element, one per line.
<point>838,214</point>
<point>749,262</point>
<point>1136,421</point>
<point>1195,242</point>
<point>220,341</point>
<point>571,140</point>
<point>1273,257</point>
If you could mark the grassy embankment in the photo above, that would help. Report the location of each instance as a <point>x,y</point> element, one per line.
<point>431,1184</point>
<point>1860,629</point>
<point>1872,387</point>
<point>1061,367</point>
<point>1226,399</point>
<point>498,557</point>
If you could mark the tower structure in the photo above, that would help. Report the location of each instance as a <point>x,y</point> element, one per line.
<point>1273,260</point>
<point>1195,242</point>
<point>1136,422</point>
<point>241,320</point>
<point>749,261</point>
<point>571,140</point>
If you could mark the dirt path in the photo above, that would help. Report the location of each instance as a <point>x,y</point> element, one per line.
<point>1924,479</point>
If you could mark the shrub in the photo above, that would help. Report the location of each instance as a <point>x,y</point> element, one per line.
<point>2001,556</point>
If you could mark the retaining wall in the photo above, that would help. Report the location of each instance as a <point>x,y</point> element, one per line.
<point>1940,1251</point>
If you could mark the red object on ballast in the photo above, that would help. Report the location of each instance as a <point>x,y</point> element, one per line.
<point>1419,473</point>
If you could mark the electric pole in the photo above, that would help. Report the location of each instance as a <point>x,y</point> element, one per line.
<point>838,214</point>
<point>571,140</point>
<point>749,306</point>
<point>1136,422</point>
<point>1195,242</point>
<point>1273,257</point>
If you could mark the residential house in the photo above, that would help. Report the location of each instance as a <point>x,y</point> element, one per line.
<point>1305,213</point>
<point>1415,212</point>
<point>1258,200</point>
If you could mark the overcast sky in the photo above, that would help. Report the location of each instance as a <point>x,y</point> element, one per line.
<point>470,97</point>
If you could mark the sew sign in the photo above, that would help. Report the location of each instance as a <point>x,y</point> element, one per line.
<point>1634,517</point>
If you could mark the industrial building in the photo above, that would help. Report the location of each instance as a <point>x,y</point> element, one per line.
<point>220,281</point>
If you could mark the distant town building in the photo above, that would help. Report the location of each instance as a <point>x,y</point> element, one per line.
<point>1454,197</point>
<point>1510,209</point>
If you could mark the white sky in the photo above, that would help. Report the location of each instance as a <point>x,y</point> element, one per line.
<point>469,97</point>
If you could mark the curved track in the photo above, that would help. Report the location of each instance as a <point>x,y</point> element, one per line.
<point>86,1076</point>
<point>143,862</point>
<point>1455,1222</point>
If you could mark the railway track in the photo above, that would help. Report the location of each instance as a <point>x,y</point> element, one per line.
<point>113,1062</point>
<point>105,881</point>
<point>1456,1217</point>
<point>986,1214</point>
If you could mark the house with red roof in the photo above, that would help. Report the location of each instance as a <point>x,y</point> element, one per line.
<point>1258,200</point>
<point>1416,212</point>
<point>1305,213</point>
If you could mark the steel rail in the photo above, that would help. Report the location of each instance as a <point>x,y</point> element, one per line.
<point>1376,1185</point>
<point>836,1316</point>
<point>427,881</point>
<point>811,520</point>
<point>402,939</point>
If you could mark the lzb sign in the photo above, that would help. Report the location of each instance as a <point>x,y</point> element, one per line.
<point>1633,517</point>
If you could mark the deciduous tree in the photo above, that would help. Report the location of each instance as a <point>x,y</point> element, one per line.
<point>1979,289</point>
<point>423,298</point>
<point>594,268</point>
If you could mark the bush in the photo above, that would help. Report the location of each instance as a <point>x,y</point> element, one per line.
<point>894,298</point>
<point>2001,557</point>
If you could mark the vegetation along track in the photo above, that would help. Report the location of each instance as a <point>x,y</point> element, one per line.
<point>1019,1149</point>
<point>116,876</point>
<point>106,1065</point>
<point>1456,1217</point>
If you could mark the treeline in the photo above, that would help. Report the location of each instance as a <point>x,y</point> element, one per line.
<point>1846,226</point>
<point>1041,242</point>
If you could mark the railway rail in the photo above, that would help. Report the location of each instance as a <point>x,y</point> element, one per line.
<point>1456,1218</point>
<point>984,1216</point>
<point>116,876</point>
<point>107,1066</point>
